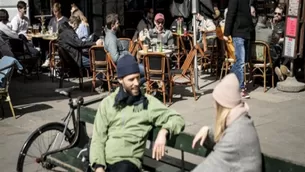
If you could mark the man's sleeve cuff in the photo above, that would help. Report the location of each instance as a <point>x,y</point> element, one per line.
<point>96,166</point>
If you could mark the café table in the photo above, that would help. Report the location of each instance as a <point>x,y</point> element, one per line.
<point>167,52</point>
<point>49,37</point>
<point>43,36</point>
<point>43,41</point>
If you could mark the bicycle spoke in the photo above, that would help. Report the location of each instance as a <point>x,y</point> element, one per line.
<point>31,156</point>
<point>45,139</point>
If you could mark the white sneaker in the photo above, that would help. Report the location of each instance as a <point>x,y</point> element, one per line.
<point>46,63</point>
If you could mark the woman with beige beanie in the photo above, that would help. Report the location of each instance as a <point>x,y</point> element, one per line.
<point>234,141</point>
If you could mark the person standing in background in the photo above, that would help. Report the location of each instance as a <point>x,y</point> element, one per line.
<point>239,25</point>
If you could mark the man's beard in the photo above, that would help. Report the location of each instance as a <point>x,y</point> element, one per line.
<point>129,91</point>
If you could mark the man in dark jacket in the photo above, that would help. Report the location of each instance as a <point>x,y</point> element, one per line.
<point>239,25</point>
<point>5,49</point>
<point>69,41</point>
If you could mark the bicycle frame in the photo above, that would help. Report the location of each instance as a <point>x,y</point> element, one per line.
<point>79,102</point>
<point>74,104</point>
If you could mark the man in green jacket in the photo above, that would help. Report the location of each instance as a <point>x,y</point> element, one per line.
<point>123,121</point>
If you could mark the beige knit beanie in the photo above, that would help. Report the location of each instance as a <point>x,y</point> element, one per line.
<point>227,92</point>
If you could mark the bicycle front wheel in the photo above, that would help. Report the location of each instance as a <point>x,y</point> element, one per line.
<point>44,139</point>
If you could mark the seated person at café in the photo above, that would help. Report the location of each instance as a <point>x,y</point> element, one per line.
<point>154,34</point>
<point>5,48</point>
<point>277,24</point>
<point>205,25</point>
<point>6,33</point>
<point>58,18</point>
<point>7,59</point>
<point>54,24</point>
<point>265,34</point>
<point>69,41</point>
<point>5,62</point>
<point>83,27</point>
<point>113,45</point>
<point>81,31</point>
<point>145,23</point>
<point>20,22</point>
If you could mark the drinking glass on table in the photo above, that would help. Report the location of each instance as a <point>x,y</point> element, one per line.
<point>35,29</point>
<point>50,29</point>
<point>145,48</point>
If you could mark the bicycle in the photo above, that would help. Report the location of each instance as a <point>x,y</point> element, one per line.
<point>65,139</point>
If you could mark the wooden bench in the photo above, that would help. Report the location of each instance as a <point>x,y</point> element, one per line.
<point>183,142</point>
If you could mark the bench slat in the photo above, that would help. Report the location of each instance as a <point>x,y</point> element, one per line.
<point>169,160</point>
<point>274,164</point>
<point>87,114</point>
<point>182,142</point>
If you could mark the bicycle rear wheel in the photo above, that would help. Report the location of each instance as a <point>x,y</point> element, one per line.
<point>43,144</point>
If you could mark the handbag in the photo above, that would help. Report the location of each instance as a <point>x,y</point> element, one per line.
<point>180,8</point>
<point>229,46</point>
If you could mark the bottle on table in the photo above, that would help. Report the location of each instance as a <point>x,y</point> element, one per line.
<point>159,43</point>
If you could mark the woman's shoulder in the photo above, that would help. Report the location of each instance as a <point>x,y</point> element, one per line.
<point>242,130</point>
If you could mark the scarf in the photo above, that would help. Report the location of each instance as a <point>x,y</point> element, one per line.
<point>123,99</point>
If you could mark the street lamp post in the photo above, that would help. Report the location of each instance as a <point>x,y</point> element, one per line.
<point>194,12</point>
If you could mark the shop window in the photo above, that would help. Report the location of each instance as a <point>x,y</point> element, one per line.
<point>41,7</point>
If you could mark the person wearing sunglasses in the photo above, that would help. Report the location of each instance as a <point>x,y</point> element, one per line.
<point>159,32</point>
<point>277,20</point>
<point>277,24</point>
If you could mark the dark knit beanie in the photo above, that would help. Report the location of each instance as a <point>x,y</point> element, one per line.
<point>127,65</point>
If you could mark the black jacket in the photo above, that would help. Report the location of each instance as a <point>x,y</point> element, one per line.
<point>5,49</point>
<point>238,20</point>
<point>69,41</point>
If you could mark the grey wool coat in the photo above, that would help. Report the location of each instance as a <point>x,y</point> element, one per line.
<point>237,151</point>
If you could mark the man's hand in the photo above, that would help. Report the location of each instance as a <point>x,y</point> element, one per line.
<point>159,146</point>
<point>225,38</point>
<point>99,42</point>
<point>201,135</point>
<point>202,29</point>
<point>28,37</point>
<point>100,170</point>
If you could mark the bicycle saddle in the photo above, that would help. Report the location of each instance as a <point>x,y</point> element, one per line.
<point>65,91</point>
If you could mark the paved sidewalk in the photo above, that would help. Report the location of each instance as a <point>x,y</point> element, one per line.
<point>279,117</point>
